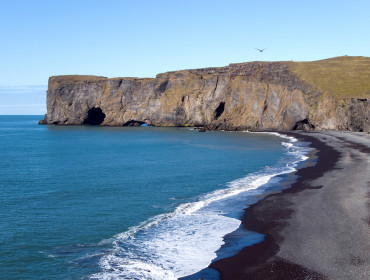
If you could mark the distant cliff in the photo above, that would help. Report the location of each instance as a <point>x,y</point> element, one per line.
<point>327,94</point>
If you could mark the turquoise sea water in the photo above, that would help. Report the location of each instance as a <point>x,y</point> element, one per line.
<point>85,202</point>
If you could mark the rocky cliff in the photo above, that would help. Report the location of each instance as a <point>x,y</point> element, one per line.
<point>253,96</point>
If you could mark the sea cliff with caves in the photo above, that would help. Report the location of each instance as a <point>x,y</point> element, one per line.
<point>330,94</point>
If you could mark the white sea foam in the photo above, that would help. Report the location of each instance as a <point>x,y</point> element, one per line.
<point>288,145</point>
<point>177,247</point>
<point>300,152</point>
<point>183,242</point>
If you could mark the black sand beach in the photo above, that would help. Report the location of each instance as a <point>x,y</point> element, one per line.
<point>320,227</point>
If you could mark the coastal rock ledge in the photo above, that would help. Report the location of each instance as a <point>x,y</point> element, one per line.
<point>327,94</point>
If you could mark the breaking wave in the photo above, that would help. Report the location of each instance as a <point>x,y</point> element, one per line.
<point>185,241</point>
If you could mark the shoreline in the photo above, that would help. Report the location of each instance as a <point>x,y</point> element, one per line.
<point>285,253</point>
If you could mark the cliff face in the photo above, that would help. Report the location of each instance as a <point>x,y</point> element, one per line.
<point>254,96</point>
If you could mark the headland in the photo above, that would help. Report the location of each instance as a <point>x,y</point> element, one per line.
<point>327,94</point>
<point>319,228</point>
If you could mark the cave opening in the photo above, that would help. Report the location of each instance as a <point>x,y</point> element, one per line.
<point>304,125</point>
<point>134,123</point>
<point>219,110</point>
<point>95,116</point>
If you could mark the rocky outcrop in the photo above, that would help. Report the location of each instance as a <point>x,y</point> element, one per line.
<point>253,96</point>
<point>351,114</point>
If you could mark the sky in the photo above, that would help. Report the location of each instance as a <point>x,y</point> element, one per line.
<point>123,38</point>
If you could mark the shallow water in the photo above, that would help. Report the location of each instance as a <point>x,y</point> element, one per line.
<point>136,203</point>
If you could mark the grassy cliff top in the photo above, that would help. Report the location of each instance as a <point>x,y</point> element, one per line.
<point>76,78</point>
<point>344,76</point>
<point>90,78</point>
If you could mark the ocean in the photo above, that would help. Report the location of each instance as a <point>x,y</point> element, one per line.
<point>88,202</point>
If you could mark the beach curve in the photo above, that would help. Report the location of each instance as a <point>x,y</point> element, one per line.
<point>318,228</point>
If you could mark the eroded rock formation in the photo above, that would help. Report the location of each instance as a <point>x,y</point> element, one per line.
<point>253,96</point>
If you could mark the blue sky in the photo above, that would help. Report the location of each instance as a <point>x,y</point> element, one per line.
<point>143,38</point>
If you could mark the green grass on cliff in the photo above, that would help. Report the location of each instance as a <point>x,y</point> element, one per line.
<point>344,76</point>
<point>76,78</point>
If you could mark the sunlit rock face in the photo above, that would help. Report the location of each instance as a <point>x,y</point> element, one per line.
<point>252,96</point>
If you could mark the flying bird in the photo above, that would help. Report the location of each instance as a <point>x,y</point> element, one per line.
<point>260,50</point>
